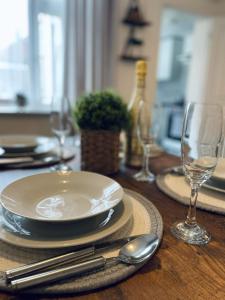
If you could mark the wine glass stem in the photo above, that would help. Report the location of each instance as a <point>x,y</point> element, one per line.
<point>145,163</point>
<point>61,148</point>
<point>191,216</point>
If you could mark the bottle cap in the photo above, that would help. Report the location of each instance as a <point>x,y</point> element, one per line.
<point>141,68</point>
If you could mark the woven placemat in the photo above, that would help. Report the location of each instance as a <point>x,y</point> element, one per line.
<point>177,188</point>
<point>146,219</point>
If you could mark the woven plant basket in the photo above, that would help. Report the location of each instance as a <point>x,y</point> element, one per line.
<point>100,151</point>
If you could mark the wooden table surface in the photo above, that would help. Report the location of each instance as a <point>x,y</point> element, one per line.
<point>177,270</point>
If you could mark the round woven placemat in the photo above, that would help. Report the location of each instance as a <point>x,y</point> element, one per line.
<point>146,219</point>
<point>177,188</point>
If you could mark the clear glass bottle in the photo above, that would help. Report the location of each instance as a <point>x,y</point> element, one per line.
<point>133,147</point>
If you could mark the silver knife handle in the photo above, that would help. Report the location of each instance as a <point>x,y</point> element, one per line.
<point>54,261</point>
<point>57,274</point>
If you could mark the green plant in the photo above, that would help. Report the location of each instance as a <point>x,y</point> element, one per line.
<point>103,110</point>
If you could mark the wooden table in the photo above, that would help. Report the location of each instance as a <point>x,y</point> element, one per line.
<point>178,270</point>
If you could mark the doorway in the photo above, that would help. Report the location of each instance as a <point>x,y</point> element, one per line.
<point>175,55</point>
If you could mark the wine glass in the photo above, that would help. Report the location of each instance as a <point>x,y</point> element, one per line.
<point>200,148</point>
<point>147,130</point>
<point>61,121</point>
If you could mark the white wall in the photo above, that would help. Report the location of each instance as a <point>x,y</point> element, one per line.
<point>207,68</point>
<point>123,72</point>
<point>25,124</point>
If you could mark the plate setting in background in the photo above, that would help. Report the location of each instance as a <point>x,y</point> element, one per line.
<point>217,181</point>
<point>21,143</point>
<point>215,185</point>
<point>41,149</point>
<point>219,173</point>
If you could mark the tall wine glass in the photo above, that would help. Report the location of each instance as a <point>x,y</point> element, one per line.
<point>147,130</point>
<point>200,148</point>
<point>62,125</point>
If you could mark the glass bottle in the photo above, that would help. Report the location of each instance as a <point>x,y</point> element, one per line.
<point>133,147</point>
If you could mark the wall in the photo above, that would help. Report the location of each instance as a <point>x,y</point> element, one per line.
<point>19,123</point>
<point>123,72</point>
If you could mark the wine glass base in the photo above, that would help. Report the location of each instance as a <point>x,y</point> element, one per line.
<point>61,167</point>
<point>144,176</point>
<point>191,234</point>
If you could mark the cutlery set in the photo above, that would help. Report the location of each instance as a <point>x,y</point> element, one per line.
<point>91,250</point>
<point>135,250</point>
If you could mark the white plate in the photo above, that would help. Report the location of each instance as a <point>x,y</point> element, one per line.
<point>61,196</point>
<point>18,240</point>
<point>36,152</point>
<point>2,151</point>
<point>219,172</point>
<point>61,230</point>
<point>21,143</point>
<point>33,161</point>
<point>215,185</point>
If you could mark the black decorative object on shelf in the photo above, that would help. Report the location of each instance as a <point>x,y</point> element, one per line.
<point>135,21</point>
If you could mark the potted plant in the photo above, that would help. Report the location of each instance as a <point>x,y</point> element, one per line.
<point>101,116</point>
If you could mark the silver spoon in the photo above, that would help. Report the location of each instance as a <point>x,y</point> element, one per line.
<point>134,252</point>
<point>138,250</point>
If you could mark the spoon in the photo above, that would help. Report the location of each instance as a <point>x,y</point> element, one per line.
<point>134,252</point>
<point>139,249</point>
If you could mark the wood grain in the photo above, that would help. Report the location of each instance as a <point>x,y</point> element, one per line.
<point>178,270</point>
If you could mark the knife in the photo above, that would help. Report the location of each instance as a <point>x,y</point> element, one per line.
<point>77,255</point>
<point>60,273</point>
<point>16,160</point>
<point>48,160</point>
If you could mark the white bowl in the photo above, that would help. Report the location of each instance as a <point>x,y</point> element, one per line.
<point>23,238</point>
<point>61,196</point>
<point>21,143</point>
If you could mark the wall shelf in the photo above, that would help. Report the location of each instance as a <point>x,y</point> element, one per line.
<point>134,20</point>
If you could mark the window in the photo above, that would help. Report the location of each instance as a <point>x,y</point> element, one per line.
<point>31,49</point>
<point>14,56</point>
<point>50,52</point>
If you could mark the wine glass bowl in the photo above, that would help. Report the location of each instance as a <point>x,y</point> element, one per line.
<point>200,149</point>
<point>146,132</point>
<point>62,126</point>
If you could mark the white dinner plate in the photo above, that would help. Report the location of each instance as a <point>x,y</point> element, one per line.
<point>61,196</point>
<point>21,143</point>
<point>38,151</point>
<point>113,226</point>
<point>219,172</point>
<point>42,149</point>
<point>2,151</point>
<point>41,230</point>
<point>215,185</point>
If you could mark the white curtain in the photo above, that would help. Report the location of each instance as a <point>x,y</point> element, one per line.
<point>88,37</point>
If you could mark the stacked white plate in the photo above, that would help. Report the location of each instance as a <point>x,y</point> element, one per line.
<point>217,181</point>
<point>56,210</point>
<point>24,145</point>
<point>27,150</point>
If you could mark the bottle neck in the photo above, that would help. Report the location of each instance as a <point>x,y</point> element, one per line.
<point>138,93</point>
<point>140,86</point>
